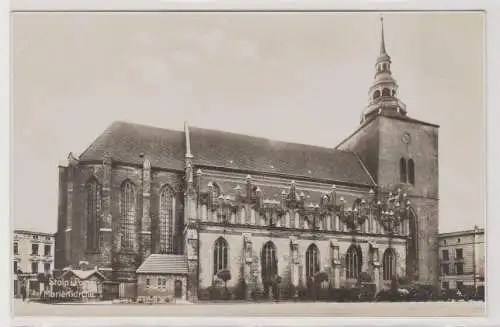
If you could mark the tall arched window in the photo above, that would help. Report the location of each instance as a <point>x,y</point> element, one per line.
<point>402,170</point>
<point>166,218</point>
<point>389,264</point>
<point>220,255</point>
<point>353,262</point>
<point>411,172</point>
<point>376,94</point>
<point>312,261</point>
<point>92,213</point>
<point>386,92</point>
<point>127,219</point>
<point>269,262</point>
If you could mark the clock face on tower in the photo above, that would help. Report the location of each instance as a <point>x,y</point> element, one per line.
<point>406,138</point>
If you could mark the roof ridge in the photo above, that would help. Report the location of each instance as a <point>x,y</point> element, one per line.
<point>264,138</point>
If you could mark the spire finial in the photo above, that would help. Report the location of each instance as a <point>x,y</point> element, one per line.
<point>382,39</point>
<point>188,140</point>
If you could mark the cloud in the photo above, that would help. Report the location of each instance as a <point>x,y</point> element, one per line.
<point>217,43</point>
<point>247,49</point>
<point>185,57</point>
<point>149,69</point>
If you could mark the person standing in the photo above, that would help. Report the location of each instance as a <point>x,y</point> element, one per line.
<point>23,292</point>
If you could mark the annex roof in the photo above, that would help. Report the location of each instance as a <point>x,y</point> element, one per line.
<point>164,264</point>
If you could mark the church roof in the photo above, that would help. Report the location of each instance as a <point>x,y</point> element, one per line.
<point>164,264</point>
<point>165,149</point>
<point>124,142</point>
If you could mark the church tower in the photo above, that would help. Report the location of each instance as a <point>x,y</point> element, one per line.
<point>402,152</point>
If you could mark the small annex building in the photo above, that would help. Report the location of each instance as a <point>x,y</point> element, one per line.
<point>89,282</point>
<point>163,277</point>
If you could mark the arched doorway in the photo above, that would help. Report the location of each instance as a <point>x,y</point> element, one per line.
<point>269,267</point>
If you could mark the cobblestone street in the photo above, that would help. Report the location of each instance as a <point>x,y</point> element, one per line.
<point>378,309</point>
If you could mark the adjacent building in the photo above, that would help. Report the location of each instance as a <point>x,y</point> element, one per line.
<point>462,257</point>
<point>33,257</point>
<point>198,202</point>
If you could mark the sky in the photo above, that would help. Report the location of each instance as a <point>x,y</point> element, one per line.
<point>299,77</point>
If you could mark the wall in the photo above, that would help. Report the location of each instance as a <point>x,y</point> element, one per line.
<point>24,257</point>
<point>155,290</point>
<point>380,145</point>
<point>466,242</point>
<point>281,239</point>
<point>423,149</point>
<point>365,143</point>
<point>71,245</point>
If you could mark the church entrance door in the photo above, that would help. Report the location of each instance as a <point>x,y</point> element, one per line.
<point>178,289</point>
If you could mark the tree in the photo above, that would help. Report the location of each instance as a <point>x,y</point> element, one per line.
<point>225,276</point>
<point>404,281</point>
<point>394,284</point>
<point>321,277</point>
<point>364,278</point>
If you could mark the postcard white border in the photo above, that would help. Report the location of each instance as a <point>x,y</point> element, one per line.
<point>492,9</point>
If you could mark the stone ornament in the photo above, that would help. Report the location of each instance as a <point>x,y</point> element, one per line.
<point>247,246</point>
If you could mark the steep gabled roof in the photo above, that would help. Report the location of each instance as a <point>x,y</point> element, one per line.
<point>249,153</point>
<point>84,274</point>
<point>164,264</point>
<point>124,142</point>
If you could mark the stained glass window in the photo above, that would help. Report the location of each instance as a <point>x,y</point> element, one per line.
<point>353,262</point>
<point>312,261</point>
<point>389,264</point>
<point>128,216</point>
<point>220,255</point>
<point>166,219</point>
<point>93,212</point>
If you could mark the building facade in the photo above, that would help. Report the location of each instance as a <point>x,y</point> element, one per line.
<point>259,208</point>
<point>461,256</point>
<point>33,254</point>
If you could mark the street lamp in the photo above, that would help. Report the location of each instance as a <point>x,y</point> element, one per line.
<point>474,259</point>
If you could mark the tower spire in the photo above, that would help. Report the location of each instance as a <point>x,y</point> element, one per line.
<point>383,52</point>
<point>383,98</point>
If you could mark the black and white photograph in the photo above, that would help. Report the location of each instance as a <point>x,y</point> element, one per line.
<point>248,163</point>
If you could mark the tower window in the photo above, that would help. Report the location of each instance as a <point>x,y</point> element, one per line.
<point>376,95</point>
<point>411,172</point>
<point>386,92</point>
<point>393,92</point>
<point>402,170</point>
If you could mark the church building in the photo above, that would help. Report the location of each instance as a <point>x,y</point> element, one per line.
<point>191,203</point>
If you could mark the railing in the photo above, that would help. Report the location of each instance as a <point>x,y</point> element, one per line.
<point>385,102</point>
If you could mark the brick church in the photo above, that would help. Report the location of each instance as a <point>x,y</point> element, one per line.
<point>169,210</point>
